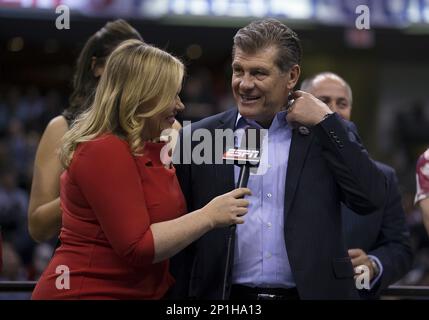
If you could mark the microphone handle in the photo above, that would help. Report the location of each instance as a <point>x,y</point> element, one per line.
<point>243,179</point>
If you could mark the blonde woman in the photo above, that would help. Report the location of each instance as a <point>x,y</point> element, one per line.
<point>123,210</point>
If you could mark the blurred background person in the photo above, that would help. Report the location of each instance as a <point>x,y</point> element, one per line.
<point>44,214</point>
<point>13,270</point>
<point>381,240</point>
<point>13,214</point>
<point>422,187</point>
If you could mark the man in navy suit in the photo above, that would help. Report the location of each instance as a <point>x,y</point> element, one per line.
<point>381,240</point>
<point>291,244</point>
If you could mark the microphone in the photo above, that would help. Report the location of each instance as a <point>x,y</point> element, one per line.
<point>246,157</point>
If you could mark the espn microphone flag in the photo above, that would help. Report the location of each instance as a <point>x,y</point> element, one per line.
<point>243,156</point>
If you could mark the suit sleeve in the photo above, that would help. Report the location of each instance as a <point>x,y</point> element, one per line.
<point>362,184</point>
<point>107,175</point>
<point>393,247</point>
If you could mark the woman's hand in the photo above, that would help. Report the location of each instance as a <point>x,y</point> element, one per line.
<point>228,208</point>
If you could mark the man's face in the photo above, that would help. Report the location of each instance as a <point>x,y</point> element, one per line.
<point>260,89</point>
<point>334,93</point>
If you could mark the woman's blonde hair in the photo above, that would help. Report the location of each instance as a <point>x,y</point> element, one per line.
<point>139,82</point>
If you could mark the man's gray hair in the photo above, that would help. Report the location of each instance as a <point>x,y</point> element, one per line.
<point>261,34</point>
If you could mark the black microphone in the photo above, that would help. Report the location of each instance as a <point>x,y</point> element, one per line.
<point>246,157</point>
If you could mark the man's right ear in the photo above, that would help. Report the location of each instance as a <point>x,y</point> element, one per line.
<point>294,73</point>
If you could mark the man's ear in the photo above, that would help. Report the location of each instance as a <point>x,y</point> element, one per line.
<point>294,74</point>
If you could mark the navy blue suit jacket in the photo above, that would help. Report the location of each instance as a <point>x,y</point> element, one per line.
<point>324,169</point>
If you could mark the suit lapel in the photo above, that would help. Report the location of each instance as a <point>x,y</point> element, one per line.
<point>297,154</point>
<point>224,173</point>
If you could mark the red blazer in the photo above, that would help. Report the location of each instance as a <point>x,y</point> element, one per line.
<point>109,199</point>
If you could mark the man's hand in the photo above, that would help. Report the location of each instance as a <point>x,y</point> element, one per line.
<point>306,109</point>
<point>359,257</point>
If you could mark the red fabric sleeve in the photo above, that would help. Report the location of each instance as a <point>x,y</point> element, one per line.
<point>107,175</point>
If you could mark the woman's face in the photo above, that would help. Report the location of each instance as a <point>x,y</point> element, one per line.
<point>168,117</point>
<point>157,124</point>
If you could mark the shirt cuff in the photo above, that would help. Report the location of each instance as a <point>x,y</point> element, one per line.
<point>380,267</point>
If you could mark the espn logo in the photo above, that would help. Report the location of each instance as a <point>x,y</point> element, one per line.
<point>244,155</point>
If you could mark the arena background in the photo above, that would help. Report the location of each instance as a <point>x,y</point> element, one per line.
<point>386,65</point>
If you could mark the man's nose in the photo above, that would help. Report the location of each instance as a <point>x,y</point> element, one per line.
<point>247,82</point>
